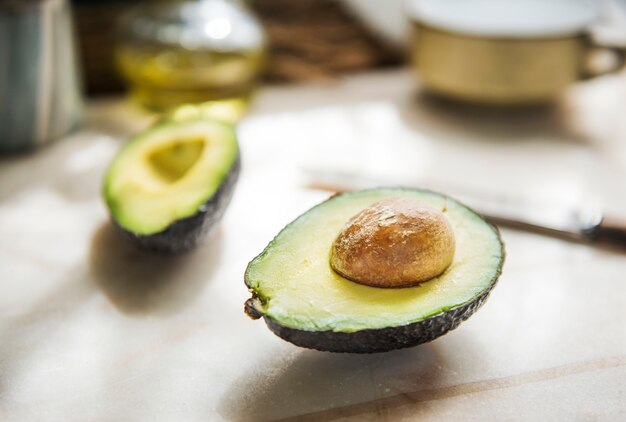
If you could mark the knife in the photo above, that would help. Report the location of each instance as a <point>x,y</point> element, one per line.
<point>584,225</point>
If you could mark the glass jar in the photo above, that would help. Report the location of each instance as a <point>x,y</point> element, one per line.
<point>189,52</point>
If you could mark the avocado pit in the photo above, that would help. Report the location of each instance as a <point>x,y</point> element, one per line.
<point>395,242</point>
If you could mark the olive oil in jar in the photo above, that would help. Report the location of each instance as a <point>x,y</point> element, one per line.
<point>191,52</point>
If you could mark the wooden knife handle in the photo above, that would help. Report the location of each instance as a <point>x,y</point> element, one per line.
<point>611,230</point>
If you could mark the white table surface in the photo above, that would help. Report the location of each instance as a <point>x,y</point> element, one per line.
<point>91,329</point>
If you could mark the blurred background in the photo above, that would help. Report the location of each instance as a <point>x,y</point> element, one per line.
<point>308,40</point>
<point>168,53</point>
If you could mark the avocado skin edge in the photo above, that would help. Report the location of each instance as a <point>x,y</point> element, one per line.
<point>186,233</point>
<point>381,339</point>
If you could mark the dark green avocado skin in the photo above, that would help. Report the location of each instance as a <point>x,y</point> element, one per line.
<point>383,339</point>
<point>185,234</point>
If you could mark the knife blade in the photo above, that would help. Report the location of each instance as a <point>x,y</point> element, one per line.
<point>586,225</point>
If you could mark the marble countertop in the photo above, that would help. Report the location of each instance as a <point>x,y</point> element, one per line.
<point>92,329</point>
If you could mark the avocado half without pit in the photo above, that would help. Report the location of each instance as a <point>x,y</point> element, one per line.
<point>170,185</point>
<point>375,270</point>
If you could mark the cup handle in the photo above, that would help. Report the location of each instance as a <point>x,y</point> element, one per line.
<point>597,51</point>
<point>611,229</point>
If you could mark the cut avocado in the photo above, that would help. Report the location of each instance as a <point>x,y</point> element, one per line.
<point>171,184</point>
<point>306,303</point>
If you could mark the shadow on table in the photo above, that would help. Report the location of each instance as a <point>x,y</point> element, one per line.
<point>484,124</point>
<point>139,282</point>
<point>315,386</point>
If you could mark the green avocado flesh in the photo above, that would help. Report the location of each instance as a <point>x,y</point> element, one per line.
<point>168,173</point>
<point>296,287</point>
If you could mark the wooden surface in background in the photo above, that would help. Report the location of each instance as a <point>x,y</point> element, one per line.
<point>309,40</point>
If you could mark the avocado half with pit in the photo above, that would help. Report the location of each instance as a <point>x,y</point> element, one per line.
<point>170,185</point>
<point>305,301</point>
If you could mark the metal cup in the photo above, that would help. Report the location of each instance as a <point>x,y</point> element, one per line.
<point>40,92</point>
<point>507,61</point>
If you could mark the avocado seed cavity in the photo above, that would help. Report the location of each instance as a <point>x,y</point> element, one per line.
<point>396,242</point>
